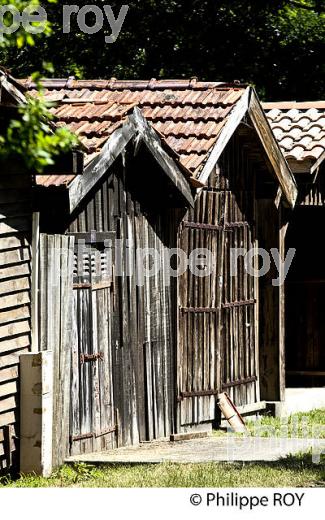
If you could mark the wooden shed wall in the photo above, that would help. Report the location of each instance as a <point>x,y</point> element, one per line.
<point>135,208</point>
<point>218,316</point>
<point>15,270</point>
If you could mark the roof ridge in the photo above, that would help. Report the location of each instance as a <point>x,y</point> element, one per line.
<point>134,84</point>
<point>299,105</point>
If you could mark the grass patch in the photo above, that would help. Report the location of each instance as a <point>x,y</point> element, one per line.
<point>293,471</point>
<point>299,425</point>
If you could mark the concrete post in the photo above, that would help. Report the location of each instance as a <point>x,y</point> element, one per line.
<point>36,416</point>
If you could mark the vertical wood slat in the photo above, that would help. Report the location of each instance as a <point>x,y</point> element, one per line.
<point>55,322</point>
<point>93,417</point>
<point>231,335</point>
<point>143,328</point>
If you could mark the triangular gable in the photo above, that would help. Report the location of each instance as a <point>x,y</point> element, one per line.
<point>138,128</point>
<point>138,125</point>
<point>249,104</point>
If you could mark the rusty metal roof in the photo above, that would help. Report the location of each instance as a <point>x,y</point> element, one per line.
<point>187,114</point>
<point>299,128</point>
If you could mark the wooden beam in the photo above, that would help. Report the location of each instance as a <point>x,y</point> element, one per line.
<point>251,408</point>
<point>316,166</point>
<point>153,143</point>
<point>226,133</point>
<point>11,89</point>
<point>272,149</point>
<point>271,228</point>
<point>95,170</point>
<point>34,282</point>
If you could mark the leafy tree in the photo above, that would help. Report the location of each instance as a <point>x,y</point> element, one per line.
<point>32,136</point>
<point>278,45</point>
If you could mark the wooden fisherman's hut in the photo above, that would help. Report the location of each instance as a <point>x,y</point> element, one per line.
<point>300,130</point>
<point>168,164</point>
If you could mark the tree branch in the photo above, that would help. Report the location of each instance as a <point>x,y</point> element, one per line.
<point>315,8</point>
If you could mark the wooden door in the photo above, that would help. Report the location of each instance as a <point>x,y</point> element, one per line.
<point>92,418</point>
<point>199,362</point>
<point>217,348</point>
<point>239,350</point>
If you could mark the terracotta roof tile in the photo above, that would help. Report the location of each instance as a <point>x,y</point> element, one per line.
<point>187,114</point>
<point>299,128</point>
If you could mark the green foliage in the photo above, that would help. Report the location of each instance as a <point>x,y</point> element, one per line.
<point>32,136</point>
<point>293,471</point>
<point>20,37</point>
<point>274,44</point>
<point>297,425</point>
<point>277,45</point>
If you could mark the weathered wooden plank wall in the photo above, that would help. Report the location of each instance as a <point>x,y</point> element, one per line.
<point>199,362</point>
<point>55,329</point>
<point>217,318</point>
<point>92,412</point>
<point>271,305</point>
<point>15,270</point>
<point>240,298</point>
<point>144,312</point>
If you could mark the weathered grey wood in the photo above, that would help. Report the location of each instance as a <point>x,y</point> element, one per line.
<point>74,389</point>
<point>15,227</point>
<point>8,388</point>
<point>35,282</point>
<point>16,256</point>
<point>247,409</point>
<point>15,271</point>
<point>14,285</point>
<point>8,374</point>
<point>16,314</point>
<point>16,94</point>
<point>233,348</point>
<point>55,328</point>
<point>8,404</point>
<point>135,125</point>
<point>79,188</point>
<point>153,143</point>
<point>225,135</point>
<point>13,242</point>
<point>8,360</point>
<point>270,301</point>
<point>7,418</point>
<point>7,333</point>
<point>92,403</point>
<point>272,149</point>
